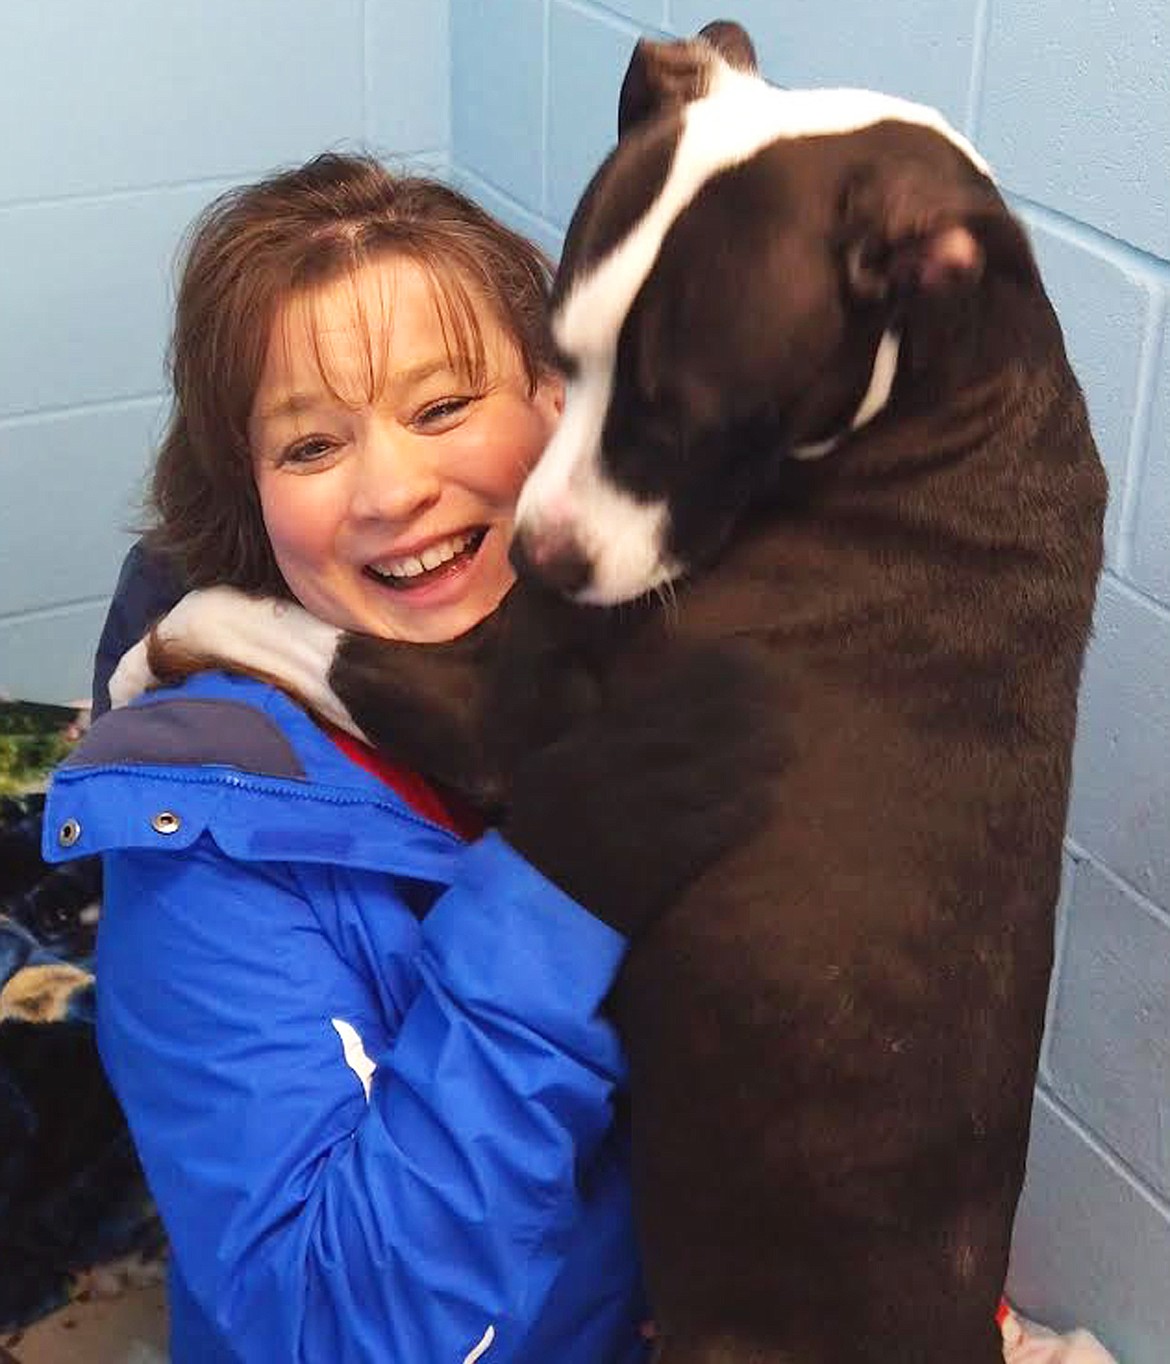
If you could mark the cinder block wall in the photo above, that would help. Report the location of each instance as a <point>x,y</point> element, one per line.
<point>1070,101</point>
<point>119,120</point>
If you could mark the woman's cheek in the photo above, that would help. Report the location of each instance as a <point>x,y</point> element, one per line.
<point>301,512</point>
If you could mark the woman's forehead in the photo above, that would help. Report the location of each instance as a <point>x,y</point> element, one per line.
<point>386,321</point>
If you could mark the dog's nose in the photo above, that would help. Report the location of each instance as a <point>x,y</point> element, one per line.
<point>554,559</point>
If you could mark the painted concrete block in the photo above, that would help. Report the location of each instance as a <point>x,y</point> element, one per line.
<point>536,229</point>
<point>86,297</point>
<point>49,657</point>
<point>1091,1247</point>
<point>1120,810</point>
<point>73,490</point>
<point>1150,565</point>
<point>408,76</point>
<point>124,95</point>
<point>497,94</point>
<point>588,57</point>
<point>915,48</point>
<point>650,14</point>
<point>1076,111</point>
<point>1109,1056</point>
<point>1104,305</point>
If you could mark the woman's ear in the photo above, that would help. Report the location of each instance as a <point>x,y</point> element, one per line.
<point>549,397</point>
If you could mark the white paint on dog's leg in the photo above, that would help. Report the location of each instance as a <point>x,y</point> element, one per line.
<point>261,635</point>
<point>354,1051</point>
<point>131,677</point>
<point>481,1349</point>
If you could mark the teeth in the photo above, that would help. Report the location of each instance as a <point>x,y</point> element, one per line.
<point>431,557</point>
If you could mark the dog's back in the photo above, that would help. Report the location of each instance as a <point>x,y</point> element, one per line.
<point>834,1038</point>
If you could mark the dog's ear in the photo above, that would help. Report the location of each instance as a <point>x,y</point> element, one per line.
<point>732,43</point>
<point>904,234</point>
<point>663,76</point>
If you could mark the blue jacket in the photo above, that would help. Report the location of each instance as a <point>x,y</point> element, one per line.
<point>363,1061</point>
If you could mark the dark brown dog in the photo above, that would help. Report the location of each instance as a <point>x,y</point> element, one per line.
<point>816,387</point>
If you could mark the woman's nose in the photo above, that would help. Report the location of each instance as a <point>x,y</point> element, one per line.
<point>395,476</point>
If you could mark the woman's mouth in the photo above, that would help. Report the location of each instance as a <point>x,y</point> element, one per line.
<point>439,560</point>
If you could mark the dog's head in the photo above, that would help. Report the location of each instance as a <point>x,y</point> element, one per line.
<point>740,285</point>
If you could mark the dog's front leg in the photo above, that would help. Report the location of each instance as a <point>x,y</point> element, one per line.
<point>226,629</point>
<point>421,704</point>
<point>426,705</point>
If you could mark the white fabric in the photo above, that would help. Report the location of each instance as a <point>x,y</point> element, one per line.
<point>1025,1342</point>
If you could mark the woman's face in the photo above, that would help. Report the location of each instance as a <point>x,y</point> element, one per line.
<point>387,482</point>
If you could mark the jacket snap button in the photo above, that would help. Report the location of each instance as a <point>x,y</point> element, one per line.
<point>69,833</point>
<point>165,822</point>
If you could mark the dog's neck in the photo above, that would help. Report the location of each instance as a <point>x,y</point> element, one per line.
<point>875,398</point>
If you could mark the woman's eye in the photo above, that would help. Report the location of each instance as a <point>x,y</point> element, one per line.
<point>443,412</point>
<point>311,450</point>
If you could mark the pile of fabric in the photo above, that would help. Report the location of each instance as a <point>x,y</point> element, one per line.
<point>72,1194</point>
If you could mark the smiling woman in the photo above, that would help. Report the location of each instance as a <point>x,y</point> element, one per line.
<point>367,1069</point>
<point>387,468</point>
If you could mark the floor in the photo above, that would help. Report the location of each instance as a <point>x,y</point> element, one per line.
<point>128,1329</point>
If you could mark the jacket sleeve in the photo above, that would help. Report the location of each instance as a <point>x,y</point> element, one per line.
<point>148,586</point>
<point>312,1219</point>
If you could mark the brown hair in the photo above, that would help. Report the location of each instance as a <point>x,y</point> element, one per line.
<point>251,250</point>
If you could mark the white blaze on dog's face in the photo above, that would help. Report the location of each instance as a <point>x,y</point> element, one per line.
<point>715,307</point>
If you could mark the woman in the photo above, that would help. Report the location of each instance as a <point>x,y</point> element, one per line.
<point>359,1042</point>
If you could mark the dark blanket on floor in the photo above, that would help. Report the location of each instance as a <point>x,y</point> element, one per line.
<point>72,1194</point>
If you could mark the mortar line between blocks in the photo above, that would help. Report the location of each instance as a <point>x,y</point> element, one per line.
<point>214,184</point>
<point>57,609</point>
<point>975,85</point>
<point>1139,434</point>
<point>603,14</point>
<point>1156,911</point>
<point>33,415</point>
<point>1133,1179</point>
<point>1116,250</point>
<point>478,178</point>
<point>1060,934</point>
<point>545,104</point>
<point>366,103</point>
<point>1137,596</point>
